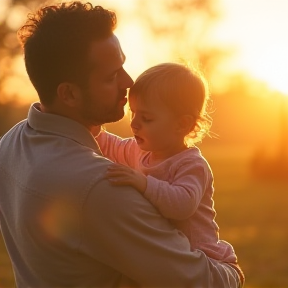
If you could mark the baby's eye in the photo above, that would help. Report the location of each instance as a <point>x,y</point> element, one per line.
<point>145,119</point>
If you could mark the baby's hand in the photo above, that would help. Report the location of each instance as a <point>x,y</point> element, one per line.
<point>120,175</point>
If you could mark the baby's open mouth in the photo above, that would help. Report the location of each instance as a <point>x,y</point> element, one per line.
<point>138,139</point>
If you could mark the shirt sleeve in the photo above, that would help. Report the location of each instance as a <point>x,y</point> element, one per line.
<point>180,199</point>
<point>120,150</point>
<point>125,232</point>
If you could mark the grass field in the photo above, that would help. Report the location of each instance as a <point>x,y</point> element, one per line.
<point>252,215</point>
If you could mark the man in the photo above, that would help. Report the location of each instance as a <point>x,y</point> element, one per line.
<point>63,224</point>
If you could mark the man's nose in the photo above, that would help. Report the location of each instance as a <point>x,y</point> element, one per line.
<point>126,80</point>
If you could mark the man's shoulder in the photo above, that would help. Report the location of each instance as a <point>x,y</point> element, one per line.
<point>66,171</point>
<point>121,204</point>
<point>13,130</point>
<point>77,168</point>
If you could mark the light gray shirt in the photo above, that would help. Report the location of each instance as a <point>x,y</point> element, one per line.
<point>65,225</point>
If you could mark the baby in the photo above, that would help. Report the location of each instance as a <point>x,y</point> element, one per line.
<point>168,104</point>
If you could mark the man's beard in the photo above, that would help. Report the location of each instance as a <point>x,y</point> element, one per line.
<point>98,115</point>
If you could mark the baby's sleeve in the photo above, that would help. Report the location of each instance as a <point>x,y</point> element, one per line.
<point>120,150</point>
<point>179,199</point>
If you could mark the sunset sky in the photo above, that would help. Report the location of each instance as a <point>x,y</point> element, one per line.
<point>259,30</point>
<point>256,30</point>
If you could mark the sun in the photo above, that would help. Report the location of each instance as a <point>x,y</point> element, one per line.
<point>257,30</point>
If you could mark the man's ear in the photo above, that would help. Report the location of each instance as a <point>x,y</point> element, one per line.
<point>186,124</point>
<point>68,94</point>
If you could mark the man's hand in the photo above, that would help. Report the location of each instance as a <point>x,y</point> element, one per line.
<point>120,175</point>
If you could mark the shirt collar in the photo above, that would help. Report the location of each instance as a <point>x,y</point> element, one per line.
<point>62,126</point>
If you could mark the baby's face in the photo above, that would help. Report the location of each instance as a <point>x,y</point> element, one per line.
<point>154,126</point>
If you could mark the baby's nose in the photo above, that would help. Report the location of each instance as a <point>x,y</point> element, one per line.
<point>134,129</point>
<point>134,124</point>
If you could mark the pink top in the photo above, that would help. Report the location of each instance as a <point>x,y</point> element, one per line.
<point>184,194</point>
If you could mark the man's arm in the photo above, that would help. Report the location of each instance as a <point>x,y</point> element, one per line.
<point>124,231</point>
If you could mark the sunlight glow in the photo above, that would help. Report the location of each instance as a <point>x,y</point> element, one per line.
<point>56,220</point>
<point>254,29</point>
<point>126,5</point>
<point>132,40</point>
<point>17,16</point>
<point>3,8</point>
<point>257,29</point>
<point>18,82</point>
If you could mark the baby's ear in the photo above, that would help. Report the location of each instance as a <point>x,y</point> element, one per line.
<point>186,124</point>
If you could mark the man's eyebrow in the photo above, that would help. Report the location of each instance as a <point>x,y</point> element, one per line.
<point>114,72</point>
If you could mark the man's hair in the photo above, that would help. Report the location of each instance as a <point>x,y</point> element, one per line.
<point>56,40</point>
<point>183,89</point>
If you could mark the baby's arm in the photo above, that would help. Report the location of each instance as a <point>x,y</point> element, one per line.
<point>120,150</point>
<point>177,200</point>
<point>123,151</point>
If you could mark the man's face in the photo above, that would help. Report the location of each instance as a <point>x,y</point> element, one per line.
<point>104,98</point>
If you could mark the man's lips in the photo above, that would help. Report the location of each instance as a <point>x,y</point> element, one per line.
<point>123,101</point>
<point>122,97</point>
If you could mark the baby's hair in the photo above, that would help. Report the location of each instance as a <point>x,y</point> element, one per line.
<point>183,89</point>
